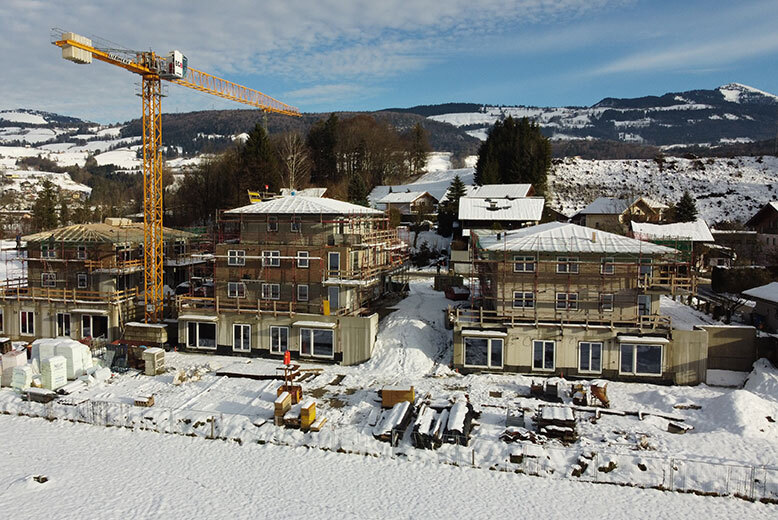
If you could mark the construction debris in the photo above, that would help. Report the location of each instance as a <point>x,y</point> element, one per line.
<point>145,401</point>
<point>192,373</point>
<point>391,395</point>
<point>557,422</point>
<point>398,418</point>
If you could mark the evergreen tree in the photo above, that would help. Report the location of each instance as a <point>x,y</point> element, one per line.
<point>419,147</point>
<point>449,212</point>
<point>260,163</point>
<point>514,152</point>
<point>357,191</point>
<point>44,211</point>
<point>686,209</point>
<point>64,212</point>
<point>322,140</point>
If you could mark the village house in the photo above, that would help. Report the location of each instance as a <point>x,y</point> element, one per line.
<point>765,313</point>
<point>82,280</point>
<point>562,298</point>
<point>765,223</point>
<point>295,274</point>
<point>693,239</point>
<point>614,215</point>
<point>409,204</point>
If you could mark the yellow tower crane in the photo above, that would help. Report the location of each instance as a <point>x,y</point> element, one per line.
<point>153,68</point>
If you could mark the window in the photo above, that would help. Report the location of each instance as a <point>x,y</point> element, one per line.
<point>297,225</point>
<point>645,267</point>
<point>567,264</point>
<point>48,279</point>
<point>567,301</point>
<point>524,300</point>
<point>236,290</point>
<point>317,343</point>
<point>543,355</point>
<point>523,264</point>
<point>63,324</point>
<point>48,251</point>
<point>279,339</point>
<point>81,252</point>
<point>606,302</point>
<point>590,357</point>
<point>271,258</point>
<point>483,352</point>
<point>27,323</point>
<point>333,264</point>
<point>272,223</point>
<point>94,326</point>
<point>236,257</point>
<point>644,305</point>
<point>302,259</point>
<point>641,360</point>
<point>82,280</point>
<point>607,266</point>
<point>201,335</point>
<point>271,291</point>
<point>333,295</point>
<point>241,337</point>
<point>302,293</point>
<point>123,253</point>
<point>2,321</point>
<point>179,247</point>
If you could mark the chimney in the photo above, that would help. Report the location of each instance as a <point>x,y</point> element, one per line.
<point>492,204</point>
<point>594,236</point>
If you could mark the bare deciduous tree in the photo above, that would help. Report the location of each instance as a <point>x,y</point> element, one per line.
<point>294,155</point>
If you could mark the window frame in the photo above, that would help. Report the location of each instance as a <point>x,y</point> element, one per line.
<point>296,225</point>
<point>47,281</point>
<point>277,347</point>
<point>196,344</point>
<point>567,264</point>
<point>29,330</point>
<point>305,259</point>
<point>236,257</point>
<point>524,299</point>
<point>570,304</point>
<point>634,354</point>
<point>50,252</point>
<point>591,345</point>
<point>82,277</point>
<point>307,292</point>
<point>242,337</point>
<point>62,318</point>
<point>80,252</point>
<point>272,224</point>
<point>311,332</point>
<point>330,270</point>
<point>489,352</point>
<point>236,290</point>
<point>544,344</point>
<point>608,266</point>
<point>607,307</point>
<point>524,261</point>
<point>267,291</point>
<point>271,258</point>
<point>2,320</point>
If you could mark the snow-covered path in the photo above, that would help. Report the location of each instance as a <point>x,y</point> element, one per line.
<point>413,341</point>
<point>98,472</point>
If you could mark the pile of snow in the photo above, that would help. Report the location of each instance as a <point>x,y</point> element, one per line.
<point>763,380</point>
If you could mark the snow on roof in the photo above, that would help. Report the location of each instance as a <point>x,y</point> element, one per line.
<point>696,231</point>
<point>767,292</point>
<point>305,192</point>
<point>500,191</point>
<point>102,232</point>
<point>521,209</point>
<point>562,237</point>
<point>606,206</point>
<point>402,197</point>
<point>304,205</point>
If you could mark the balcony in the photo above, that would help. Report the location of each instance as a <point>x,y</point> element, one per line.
<point>259,307</point>
<point>113,265</point>
<point>19,290</point>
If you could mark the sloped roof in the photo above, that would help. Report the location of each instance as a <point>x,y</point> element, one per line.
<point>522,209</point>
<point>758,215</point>
<point>305,192</point>
<point>606,206</point>
<point>563,237</point>
<point>406,197</point>
<point>767,292</point>
<point>696,231</point>
<point>500,191</point>
<point>101,232</point>
<point>299,205</point>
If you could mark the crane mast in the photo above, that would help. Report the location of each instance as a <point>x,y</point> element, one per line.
<point>154,68</point>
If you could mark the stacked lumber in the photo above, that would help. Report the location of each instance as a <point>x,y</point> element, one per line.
<point>391,395</point>
<point>557,422</point>
<point>145,401</point>
<point>307,414</point>
<point>295,391</point>
<point>398,418</point>
<point>292,416</point>
<point>318,424</point>
<point>282,405</point>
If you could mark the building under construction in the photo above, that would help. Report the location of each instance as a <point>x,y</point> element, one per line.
<point>295,273</point>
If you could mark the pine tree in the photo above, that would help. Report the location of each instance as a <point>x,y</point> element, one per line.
<point>260,162</point>
<point>357,191</point>
<point>686,209</point>
<point>322,140</point>
<point>44,211</point>
<point>64,212</point>
<point>514,152</point>
<point>449,211</point>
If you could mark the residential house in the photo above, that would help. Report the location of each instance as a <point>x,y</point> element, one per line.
<point>558,298</point>
<point>409,204</point>
<point>765,313</point>
<point>296,274</point>
<point>615,215</point>
<point>82,280</point>
<point>765,223</point>
<point>742,243</point>
<point>693,239</point>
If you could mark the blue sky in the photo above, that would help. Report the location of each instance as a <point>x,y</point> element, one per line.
<point>325,55</point>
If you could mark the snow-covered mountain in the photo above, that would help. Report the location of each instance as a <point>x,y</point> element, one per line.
<point>730,113</point>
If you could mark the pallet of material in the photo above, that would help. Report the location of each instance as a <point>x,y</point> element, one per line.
<point>460,421</point>
<point>292,417</point>
<point>39,395</point>
<point>423,428</point>
<point>391,395</point>
<point>557,422</point>
<point>560,432</point>
<point>307,414</point>
<point>145,401</point>
<point>318,424</point>
<point>397,418</point>
<point>295,391</point>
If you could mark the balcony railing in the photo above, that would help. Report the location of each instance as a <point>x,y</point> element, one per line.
<point>18,290</point>
<point>258,307</point>
<point>515,317</point>
<point>113,263</point>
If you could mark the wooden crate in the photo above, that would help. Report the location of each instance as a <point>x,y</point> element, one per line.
<point>391,395</point>
<point>307,414</point>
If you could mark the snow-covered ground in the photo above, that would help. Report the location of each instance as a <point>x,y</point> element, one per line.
<point>97,472</point>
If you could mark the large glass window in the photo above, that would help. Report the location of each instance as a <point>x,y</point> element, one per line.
<point>27,323</point>
<point>483,352</point>
<point>644,305</point>
<point>63,324</point>
<point>317,343</point>
<point>641,359</point>
<point>333,264</point>
<point>543,355</point>
<point>48,251</point>
<point>523,264</point>
<point>201,335</point>
<point>333,295</point>
<point>236,257</point>
<point>525,300</point>
<point>272,223</point>
<point>606,302</point>
<point>590,357</point>
<point>94,326</point>
<point>297,225</point>
<point>81,252</point>
<point>241,337</point>
<point>279,339</point>
<point>567,264</point>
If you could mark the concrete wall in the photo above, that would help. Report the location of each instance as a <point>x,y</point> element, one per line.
<point>354,336</point>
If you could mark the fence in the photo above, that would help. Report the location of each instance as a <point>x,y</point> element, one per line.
<point>639,469</point>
